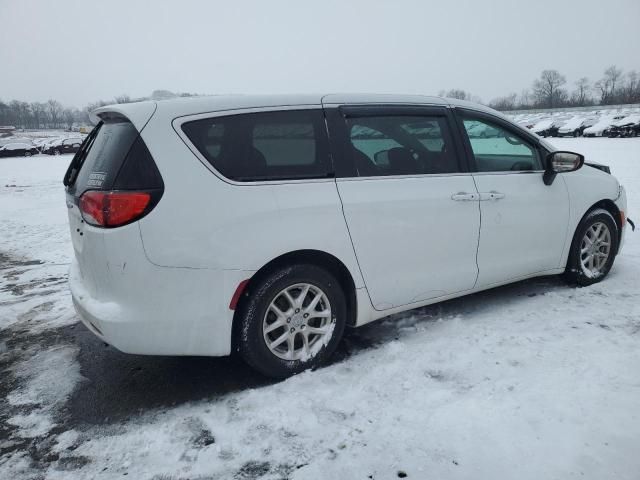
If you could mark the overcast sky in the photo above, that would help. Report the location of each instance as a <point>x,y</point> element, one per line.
<point>80,51</point>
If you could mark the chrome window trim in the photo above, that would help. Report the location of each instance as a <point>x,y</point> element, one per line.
<point>177,123</point>
<point>509,172</point>
<point>436,175</point>
<point>401,177</point>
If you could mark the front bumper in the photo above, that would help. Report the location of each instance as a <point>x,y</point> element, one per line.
<point>621,203</point>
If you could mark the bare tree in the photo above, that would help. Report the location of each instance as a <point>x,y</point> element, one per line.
<point>612,75</point>
<point>20,113</point>
<point>124,98</point>
<point>525,98</point>
<point>504,103</point>
<point>581,93</point>
<point>55,110</point>
<point>602,86</point>
<point>630,90</point>
<point>4,113</point>
<point>162,95</point>
<point>69,117</point>
<point>458,93</point>
<point>39,112</point>
<point>548,88</point>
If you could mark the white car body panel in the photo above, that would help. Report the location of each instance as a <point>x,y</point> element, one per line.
<point>513,242</point>
<point>586,187</point>
<point>228,216</point>
<point>163,284</point>
<point>396,224</point>
<point>138,113</point>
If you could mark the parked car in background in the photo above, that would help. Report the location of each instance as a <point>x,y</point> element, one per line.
<point>575,126</point>
<point>545,128</point>
<point>66,145</point>
<point>14,139</point>
<point>628,126</point>
<point>480,130</point>
<point>601,127</point>
<point>18,150</point>
<point>365,205</point>
<point>527,122</point>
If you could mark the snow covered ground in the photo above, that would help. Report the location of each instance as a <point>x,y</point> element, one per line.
<point>536,380</point>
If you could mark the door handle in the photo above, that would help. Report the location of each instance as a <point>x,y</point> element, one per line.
<point>492,195</point>
<point>464,197</point>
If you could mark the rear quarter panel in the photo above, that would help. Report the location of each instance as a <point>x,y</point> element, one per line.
<point>204,221</point>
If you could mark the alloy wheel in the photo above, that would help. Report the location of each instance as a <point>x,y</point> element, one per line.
<point>298,322</point>
<point>595,249</point>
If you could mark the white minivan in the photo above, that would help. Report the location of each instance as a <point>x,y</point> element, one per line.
<point>265,225</point>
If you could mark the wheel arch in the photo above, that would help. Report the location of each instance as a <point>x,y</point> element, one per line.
<point>313,257</point>
<point>604,204</point>
<point>612,208</point>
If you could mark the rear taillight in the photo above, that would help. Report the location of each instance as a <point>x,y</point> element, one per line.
<point>113,209</point>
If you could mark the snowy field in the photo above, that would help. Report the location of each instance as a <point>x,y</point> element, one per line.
<point>536,380</point>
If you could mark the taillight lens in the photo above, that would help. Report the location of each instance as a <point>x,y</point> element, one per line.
<point>113,209</point>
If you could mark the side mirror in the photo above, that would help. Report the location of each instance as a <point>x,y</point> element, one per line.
<point>560,162</point>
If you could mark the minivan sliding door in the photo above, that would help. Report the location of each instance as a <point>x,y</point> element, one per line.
<point>411,208</point>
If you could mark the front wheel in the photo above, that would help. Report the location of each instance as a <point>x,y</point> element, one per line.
<point>593,249</point>
<point>292,321</point>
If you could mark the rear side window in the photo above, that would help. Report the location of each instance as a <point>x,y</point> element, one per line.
<point>401,145</point>
<point>264,146</point>
<point>114,156</point>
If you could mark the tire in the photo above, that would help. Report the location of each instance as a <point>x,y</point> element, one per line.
<point>580,269</point>
<point>258,314</point>
<point>56,152</point>
<point>27,154</point>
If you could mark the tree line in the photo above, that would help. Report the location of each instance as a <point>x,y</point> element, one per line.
<point>547,91</point>
<point>550,91</point>
<point>52,114</point>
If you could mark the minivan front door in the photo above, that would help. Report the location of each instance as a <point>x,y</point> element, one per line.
<point>524,221</point>
<point>410,205</point>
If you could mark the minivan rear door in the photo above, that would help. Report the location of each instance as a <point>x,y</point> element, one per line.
<point>109,158</point>
<point>411,206</point>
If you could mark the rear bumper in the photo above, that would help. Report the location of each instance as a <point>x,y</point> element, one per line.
<point>160,311</point>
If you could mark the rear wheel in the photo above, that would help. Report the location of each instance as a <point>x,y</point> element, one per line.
<point>292,321</point>
<point>27,153</point>
<point>593,249</point>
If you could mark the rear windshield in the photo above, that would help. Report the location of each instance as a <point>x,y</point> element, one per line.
<point>114,156</point>
<point>264,146</point>
<point>104,157</point>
